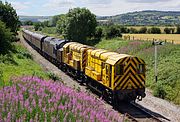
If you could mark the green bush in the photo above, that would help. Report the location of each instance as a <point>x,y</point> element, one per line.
<point>154,30</point>
<point>1,79</point>
<point>159,90</point>
<point>53,76</point>
<point>5,38</point>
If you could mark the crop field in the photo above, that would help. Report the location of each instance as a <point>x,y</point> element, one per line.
<point>172,38</point>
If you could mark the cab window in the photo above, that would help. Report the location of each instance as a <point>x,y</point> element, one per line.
<point>140,68</point>
<point>119,69</point>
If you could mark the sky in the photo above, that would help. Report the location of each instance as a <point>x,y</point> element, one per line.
<point>98,7</point>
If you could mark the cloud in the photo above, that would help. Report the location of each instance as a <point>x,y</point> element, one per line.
<point>99,1</point>
<point>147,1</point>
<point>59,3</point>
<point>20,5</point>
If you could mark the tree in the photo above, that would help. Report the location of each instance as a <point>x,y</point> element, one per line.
<point>37,26</point>
<point>98,33</point>
<point>154,30</point>
<point>143,30</point>
<point>112,31</point>
<point>133,30</point>
<point>80,25</point>
<point>9,16</point>
<point>5,38</point>
<point>61,24</point>
<point>28,22</point>
<point>55,20</point>
<point>178,29</point>
<point>167,30</point>
<point>46,24</point>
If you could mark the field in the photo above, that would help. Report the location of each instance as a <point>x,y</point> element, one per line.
<point>172,38</point>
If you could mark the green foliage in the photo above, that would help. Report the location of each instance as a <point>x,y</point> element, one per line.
<point>160,91</point>
<point>167,30</point>
<point>61,24</point>
<point>49,30</point>
<point>46,24</point>
<point>54,20</point>
<point>37,26</point>
<point>133,30</point>
<point>98,33</point>
<point>9,16</point>
<point>77,25</point>
<point>112,31</point>
<point>143,30</point>
<point>28,22</point>
<point>178,29</point>
<point>154,30</point>
<point>5,38</point>
<point>53,76</point>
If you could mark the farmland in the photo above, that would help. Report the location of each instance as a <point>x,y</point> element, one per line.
<point>175,38</point>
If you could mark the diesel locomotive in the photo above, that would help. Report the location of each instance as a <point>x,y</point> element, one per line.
<point>115,76</point>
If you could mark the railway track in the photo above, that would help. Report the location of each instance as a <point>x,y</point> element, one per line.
<point>132,111</point>
<point>137,113</point>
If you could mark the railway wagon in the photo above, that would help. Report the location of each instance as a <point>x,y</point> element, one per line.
<point>27,35</point>
<point>37,40</point>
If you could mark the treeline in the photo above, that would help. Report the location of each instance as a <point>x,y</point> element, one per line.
<point>9,25</point>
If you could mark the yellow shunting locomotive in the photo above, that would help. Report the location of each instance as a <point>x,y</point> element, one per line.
<point>115,76</point>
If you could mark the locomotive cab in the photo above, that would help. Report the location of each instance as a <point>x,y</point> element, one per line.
<point>129,78</point>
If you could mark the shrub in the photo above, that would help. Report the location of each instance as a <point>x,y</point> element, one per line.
<point>143,30</point>
<point>159,90</point>
<point>167,30</point>
<point>112,31</point>
<point>98,33</point>
<point>154,30</point>
<point>178,29</point>
<point>53,76</point>
<point>5,38</point>
<point>133,30</point>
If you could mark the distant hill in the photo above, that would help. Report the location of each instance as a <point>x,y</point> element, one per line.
<point>149,17</point>
<point>35,18</point>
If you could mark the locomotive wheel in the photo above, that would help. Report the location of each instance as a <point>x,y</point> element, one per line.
<point>107,96</point>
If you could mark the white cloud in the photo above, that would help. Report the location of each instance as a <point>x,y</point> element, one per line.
<point>98,1</point>
<point>20,5</point>
<point>147,1</point>
<point>59,3</point>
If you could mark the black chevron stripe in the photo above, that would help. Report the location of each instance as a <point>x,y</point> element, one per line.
<point>140,82</point>
<point>141,78</point>
<point>138,60</point>
<point>122,60</point>
<point>127,81</point>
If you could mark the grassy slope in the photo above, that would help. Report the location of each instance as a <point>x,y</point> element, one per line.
<point>19,63</point>
<point>168,65</point>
